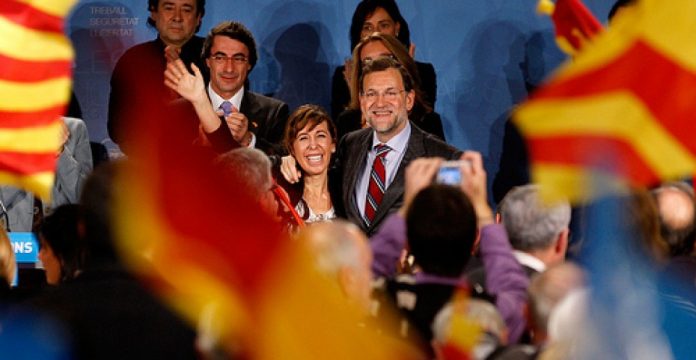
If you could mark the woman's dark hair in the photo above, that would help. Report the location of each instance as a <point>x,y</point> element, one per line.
<point>441,230</point>
<point>60,232</point>
<point>366,8</point>
<point>308,114</point>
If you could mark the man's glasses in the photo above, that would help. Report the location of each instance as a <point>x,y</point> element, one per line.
<point>223,59</point>
<point>388,95</point>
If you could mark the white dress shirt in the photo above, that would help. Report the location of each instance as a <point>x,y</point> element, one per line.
<point>236,101</point>
<point>392,160</point>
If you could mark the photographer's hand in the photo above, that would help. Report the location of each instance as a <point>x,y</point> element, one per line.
<point>474,186</point>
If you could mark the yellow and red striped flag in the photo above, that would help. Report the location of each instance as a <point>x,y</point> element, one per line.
<point>574,23</point>
<point>622,111</point>
<point>35,62</point>
<point>210,252</point>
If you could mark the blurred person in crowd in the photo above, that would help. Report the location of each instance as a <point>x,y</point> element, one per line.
<point>60,247</point>
<point>440,224</point>
<point>370,48</point>
<point>137,89</point>
<point>8,266</point>
<point>371,162</point>
<point>677,210</point>
<point>545,291</point>
<point>22,211</point>
<point>537,231</point>
<point>249,170</point>
<point>105,311</point>
<point>479,317</point>
<point>382,16</point>
<point>310,137</point>
<point>641,216</point>
<point>342,252</point>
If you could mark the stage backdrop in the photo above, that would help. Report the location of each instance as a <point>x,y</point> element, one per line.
<point>485,53</point>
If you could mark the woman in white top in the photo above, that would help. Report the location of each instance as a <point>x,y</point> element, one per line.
<point>310,137</point>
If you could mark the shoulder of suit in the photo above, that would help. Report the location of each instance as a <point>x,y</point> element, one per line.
<point>357,135</point>
<point>74,123</point>
<point>434,145</point>
<point>263,98</point>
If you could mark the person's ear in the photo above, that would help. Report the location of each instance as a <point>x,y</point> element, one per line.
<point>410,99</point>
<point>562,243</point>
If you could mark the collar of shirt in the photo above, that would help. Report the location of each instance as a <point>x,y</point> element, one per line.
<point>217,100</point>
<point>529,260</point>
<point>397,144</point>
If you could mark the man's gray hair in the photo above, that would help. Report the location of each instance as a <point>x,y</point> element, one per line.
<point>531,224</point>
<point>248,168</point>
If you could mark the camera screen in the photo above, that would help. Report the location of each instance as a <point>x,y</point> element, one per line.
<point>449,175</point>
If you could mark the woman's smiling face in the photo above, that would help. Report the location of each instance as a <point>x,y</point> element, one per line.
<point>313,148</point>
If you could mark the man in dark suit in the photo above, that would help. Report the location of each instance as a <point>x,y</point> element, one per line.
<point>137,82</point>
<point>386,96</point>
<point>253,120</point>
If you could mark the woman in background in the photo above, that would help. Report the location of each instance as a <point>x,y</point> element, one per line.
<point>370,48</point>
<point>384,17</point>
<point>60,250</point>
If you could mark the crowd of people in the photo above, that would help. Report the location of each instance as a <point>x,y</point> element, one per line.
<point>358,187</point>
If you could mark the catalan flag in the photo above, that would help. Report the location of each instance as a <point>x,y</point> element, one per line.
<point>35,62</point>
<point>622,110</point>
<point>210,252</point>
<point>575,25</point>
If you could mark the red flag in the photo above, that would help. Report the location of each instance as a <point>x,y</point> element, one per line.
<point>35,58</point>
<point>622,111</point>
<point>225,265</point>
<point>575,25</point>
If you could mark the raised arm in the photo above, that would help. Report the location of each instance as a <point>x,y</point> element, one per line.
<point>505,278</point>
<point>192,88</point>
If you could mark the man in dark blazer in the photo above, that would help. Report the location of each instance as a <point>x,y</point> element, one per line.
<point>253,120</point>
<point>386,96</point>
<point>137,88</point>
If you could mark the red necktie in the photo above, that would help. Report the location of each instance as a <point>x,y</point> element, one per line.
<point>375,190</point>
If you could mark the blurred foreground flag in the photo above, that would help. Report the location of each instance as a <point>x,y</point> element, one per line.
<point>35,62</point>
<point>622,112</point>
<point>207,248</point>
<point>575,25</point>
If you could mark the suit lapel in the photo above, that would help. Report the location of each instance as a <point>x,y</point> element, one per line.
<point>248,108</point>
<point>395,191</point>
<point>357,155</point>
